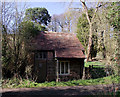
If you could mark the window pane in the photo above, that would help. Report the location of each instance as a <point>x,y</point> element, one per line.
<point>44,55</point>
<point>36,55</point>
<point>66,67</point>
<point>40,55</point>
<point>62,67</point>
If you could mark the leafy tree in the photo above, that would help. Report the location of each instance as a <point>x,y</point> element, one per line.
<point>38,15</point>
<point>10,39</point>
<point>114,19</point>
<point>16,36</point>
<point>113,15</point>
<point>83,33</point>
<point>83,30</point>
<point>91,22</point>
<point>28,29</point>
<point>6,56</point>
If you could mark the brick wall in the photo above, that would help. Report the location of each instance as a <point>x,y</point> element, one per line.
<point>76,70</point>
<point>51,70</point>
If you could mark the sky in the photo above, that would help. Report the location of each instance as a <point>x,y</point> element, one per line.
<point>55,7</point>
<point>52,7</point>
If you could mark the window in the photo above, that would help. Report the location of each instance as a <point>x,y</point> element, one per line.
<point>64,67</point>
<point>41,55</point>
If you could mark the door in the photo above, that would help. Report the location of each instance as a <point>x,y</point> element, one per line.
<point>42,70</point>
<point>41,66</point>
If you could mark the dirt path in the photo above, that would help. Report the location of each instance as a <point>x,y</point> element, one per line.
<point>68,90</point>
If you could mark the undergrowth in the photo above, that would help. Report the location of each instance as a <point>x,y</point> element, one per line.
<point>25,83</point>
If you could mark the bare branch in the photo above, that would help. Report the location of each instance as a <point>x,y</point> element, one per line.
<point>97,7</point>
<point>95,11</point>
<point>86,11</point>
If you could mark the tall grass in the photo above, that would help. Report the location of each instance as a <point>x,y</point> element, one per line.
<point>24,83</point>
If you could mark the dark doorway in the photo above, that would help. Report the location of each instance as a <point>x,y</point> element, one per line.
<point>41,68</point>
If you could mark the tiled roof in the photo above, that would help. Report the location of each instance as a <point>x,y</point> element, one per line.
<point>65,45</point>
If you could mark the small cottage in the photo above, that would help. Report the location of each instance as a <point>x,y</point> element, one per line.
<point>57,56</point>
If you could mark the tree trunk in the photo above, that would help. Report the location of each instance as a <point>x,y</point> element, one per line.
<point>68,26</point>
<point>83,77</point>
<point>62,29</point>
<point>90,21</point>
<point>57,74</point>
<point>90,42</point>
<point>103,44</point>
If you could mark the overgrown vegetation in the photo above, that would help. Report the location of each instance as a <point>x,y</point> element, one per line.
<point>23,83</point>
<point>105,26</point>
<point>17,32</point>
<point>97,69</point>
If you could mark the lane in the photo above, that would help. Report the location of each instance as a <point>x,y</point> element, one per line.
<point>57,91</point>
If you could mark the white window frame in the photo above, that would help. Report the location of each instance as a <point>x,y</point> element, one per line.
<point>64,68</point>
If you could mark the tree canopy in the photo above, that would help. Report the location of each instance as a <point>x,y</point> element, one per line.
<point>83,33</point>
<point>38,15</point>
<point>114,19</point>
<point>113,15</point>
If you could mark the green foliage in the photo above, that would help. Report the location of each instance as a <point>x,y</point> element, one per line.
<point>40,28</point>
<point>15,49</point>
<point>5,52</point>
<point>22,83</point>
<point>7,60</point>
<point>28,30</point>
<point>38,15</point>
<point>94,63</point>
<point>94,49</point>
<point>114,19</point>
<point>17,33</point>
<point>113,15</point>
<point>83,32</point>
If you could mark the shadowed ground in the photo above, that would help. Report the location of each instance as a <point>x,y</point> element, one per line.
<point>58,91</point>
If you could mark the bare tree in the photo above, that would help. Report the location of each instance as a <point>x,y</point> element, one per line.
<point>66,22</point>
<point>61,22</point>
<point>57,23</point>
<point>90,21</point>
<point>11,41</point>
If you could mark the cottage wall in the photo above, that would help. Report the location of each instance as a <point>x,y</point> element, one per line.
<point>51,70</point>
<point>62,46</point>
<point>76,69</point>
<point>48,69</point>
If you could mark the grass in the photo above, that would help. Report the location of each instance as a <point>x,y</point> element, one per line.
<point>15,83</point>
<point>94,63</point>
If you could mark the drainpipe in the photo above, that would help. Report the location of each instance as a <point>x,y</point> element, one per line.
<point>57,74</point>
<point>57,79</point>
